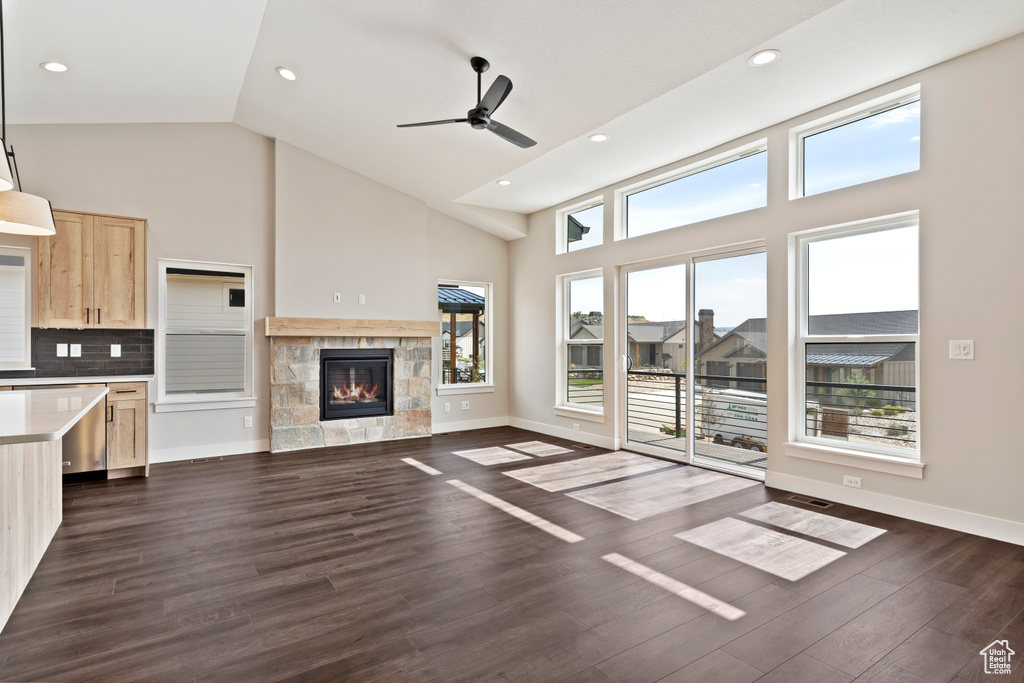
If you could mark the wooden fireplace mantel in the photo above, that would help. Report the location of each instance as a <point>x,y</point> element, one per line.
<point>335,327</point>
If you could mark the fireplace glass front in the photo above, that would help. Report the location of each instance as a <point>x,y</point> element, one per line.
<point>355,383</point>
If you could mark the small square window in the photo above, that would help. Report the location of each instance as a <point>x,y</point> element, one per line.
<point>584,228</point>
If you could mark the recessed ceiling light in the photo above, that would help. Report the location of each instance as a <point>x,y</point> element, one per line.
<point>763,57</point>
<point>503,182</point>
<point>286,73</point>
<point>598,137</point>
<point>55,67</point>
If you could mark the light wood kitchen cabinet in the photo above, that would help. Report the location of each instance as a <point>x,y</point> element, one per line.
<point>92,273</point>
<point>127,439</point>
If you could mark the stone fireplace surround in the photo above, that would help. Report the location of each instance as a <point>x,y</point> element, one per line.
<point>295,380</point>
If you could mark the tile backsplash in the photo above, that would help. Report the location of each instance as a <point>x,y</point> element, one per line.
<point>136,353</point>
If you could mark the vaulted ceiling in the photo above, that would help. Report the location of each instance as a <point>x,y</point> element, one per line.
<point>663,78</point>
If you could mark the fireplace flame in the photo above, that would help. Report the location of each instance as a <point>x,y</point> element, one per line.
<point>354,392</point>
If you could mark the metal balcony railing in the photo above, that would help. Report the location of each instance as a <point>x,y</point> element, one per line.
<point>729,413</point>
<point>585,386</point>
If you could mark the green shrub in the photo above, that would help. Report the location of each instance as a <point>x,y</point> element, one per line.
<point>878,412</point>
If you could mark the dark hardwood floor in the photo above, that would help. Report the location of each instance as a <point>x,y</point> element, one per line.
<point>348,564</point>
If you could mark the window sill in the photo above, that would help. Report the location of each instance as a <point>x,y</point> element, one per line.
<point>452,389</point>
<point>580,413</point>
<point>851,458</point>
<point>203,404</point>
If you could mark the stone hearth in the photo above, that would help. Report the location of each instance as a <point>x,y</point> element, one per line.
<point>295,393</point>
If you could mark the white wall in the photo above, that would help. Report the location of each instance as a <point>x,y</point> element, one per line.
<point>338,231</point>
<point>971,206</point>
<point>207,192</point>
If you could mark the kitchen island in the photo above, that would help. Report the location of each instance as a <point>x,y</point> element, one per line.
<point>32,424</point>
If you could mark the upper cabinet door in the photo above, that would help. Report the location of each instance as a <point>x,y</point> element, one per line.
<point>64,281</point>
<point>92,273</point>
<point>119,272</point>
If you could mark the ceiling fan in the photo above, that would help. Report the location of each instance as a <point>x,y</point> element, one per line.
<point>480,116</point>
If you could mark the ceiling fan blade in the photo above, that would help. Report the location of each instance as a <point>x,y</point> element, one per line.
<point>431,123</point>
<point>496,94</point>
<point>513,136</point>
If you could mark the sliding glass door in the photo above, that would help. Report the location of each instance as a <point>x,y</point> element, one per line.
<point>694,360</point>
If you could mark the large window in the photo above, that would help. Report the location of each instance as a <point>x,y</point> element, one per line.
<point>205,334</point>
<point>858,337</point>
<point>14,309</point>
<point>464,331</point>
<point>582,345</point>
<point>875,141</point>
<point>719,188</point>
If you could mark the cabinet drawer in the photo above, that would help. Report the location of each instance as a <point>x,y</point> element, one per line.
<point>126,391</point>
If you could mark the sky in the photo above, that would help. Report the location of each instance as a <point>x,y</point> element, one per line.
<point>840,271</point>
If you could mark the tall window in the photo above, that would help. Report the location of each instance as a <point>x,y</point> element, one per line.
<point>464,332</point>
<point>15,352</point>
<point>702,193</point>
<point>876,141</point>
<point>858,337</point>
<point>205,331</point>
<point>583,341</point>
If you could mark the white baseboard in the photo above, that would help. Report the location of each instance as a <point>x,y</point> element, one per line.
<point>466,425</point>
<point>950,518</point>
<point>211,450</point>
<point>562,433</point>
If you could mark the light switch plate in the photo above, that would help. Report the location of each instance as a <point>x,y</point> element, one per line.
<point>115,350</point>
<point>961,349</point>
<point>362,298</point>
<point>337,297</point>
<point>76,350</point>
<point>62,350</point>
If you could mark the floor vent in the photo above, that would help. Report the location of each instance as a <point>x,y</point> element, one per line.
<point>811,501</point>
<point>583,447</point>
<point>207,459</point>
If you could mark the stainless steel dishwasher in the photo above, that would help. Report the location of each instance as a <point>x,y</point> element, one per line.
<point>84,447</point>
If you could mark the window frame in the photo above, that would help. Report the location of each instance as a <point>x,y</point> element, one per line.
<point>487,386</point>
<point>26,253</point>
<point>621,200</point>
<point>562,223</point>
<point>563,327</point>
<point>206,401</point>
<point>858,112</point>
<point>878,457</point>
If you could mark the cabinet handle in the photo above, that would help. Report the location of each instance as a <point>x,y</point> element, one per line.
<point>110,410</point>
<point>125,391</point>
<point>87,315</point>
<point>99,316</point>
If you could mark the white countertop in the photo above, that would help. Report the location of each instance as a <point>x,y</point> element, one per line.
<point>106,379</point>
<point>44,414</point>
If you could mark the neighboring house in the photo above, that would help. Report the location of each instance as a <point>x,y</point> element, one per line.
<point>650,344</point>
<point>576,229</point>
<point>463,338</point>
<point>742,352</point>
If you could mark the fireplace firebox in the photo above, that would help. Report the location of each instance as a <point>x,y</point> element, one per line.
<point>355,383</point>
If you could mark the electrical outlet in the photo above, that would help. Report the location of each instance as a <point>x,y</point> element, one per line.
<point>247,421</point>
<point>447,407</point>
<point>337,297</point>
<point>575,426</point>
<point>961,349</point>
<point>465,405</point>
<point>362,298</point>
<point>62,350</point>
<point>76,350</point>
<point>115,350</point>
<point>851,481</point>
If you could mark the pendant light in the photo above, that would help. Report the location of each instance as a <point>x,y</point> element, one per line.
<point>20,213</point>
